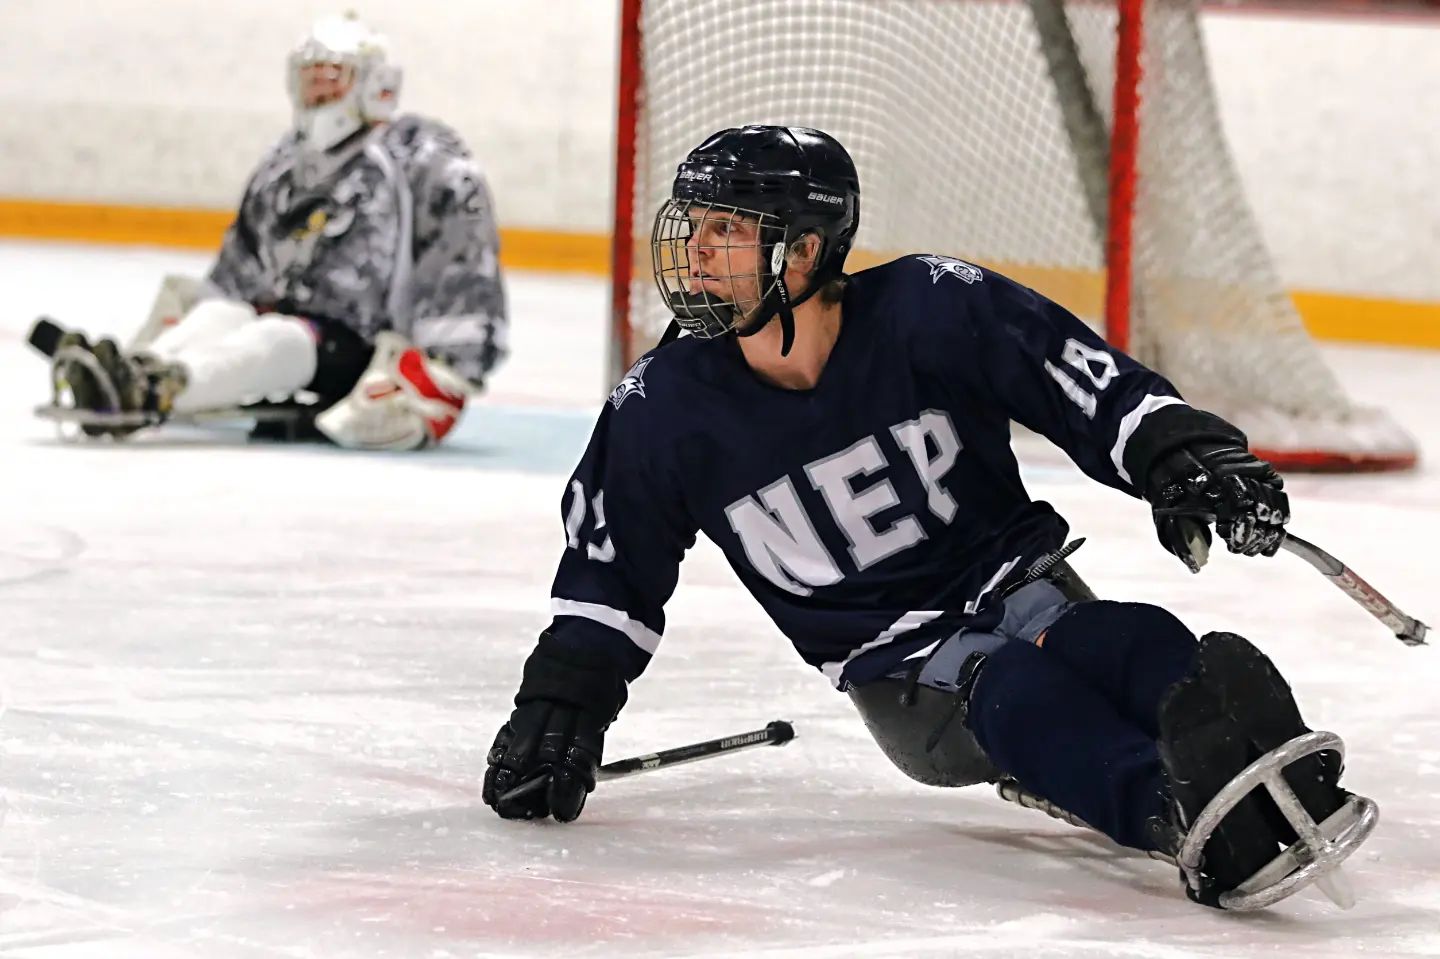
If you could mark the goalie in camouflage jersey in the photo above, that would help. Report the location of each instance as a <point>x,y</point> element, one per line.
<point>362,267</point>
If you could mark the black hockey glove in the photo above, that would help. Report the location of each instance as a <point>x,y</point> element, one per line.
<point>1225,484</point>
<point>1199,470</point>
<point>556,735</point>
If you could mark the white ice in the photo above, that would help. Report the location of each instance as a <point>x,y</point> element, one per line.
<point>249,690</point>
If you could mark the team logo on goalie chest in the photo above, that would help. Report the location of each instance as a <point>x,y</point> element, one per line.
<point>632,384</point>
<point>949,266</point>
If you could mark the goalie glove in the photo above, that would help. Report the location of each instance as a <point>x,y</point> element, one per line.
<point>405,400</point>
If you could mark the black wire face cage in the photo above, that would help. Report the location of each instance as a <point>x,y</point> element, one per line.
<point>702,313</point>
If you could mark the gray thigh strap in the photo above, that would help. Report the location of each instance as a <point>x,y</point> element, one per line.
<point>1029,611</point>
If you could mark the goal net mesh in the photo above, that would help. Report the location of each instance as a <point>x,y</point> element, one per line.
<point>968,121</point>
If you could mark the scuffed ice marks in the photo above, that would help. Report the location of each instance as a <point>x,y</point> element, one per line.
<point>29,552</point>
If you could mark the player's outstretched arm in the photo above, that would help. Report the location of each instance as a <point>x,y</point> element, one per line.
<point>626,531</point>
<point>1125,425</point>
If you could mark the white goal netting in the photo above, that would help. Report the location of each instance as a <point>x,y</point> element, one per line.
<point>981,133</point>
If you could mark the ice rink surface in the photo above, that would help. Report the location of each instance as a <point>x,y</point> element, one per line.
<point>248,692</point>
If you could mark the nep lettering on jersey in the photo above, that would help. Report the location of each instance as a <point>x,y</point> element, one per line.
<point>869,516</point>
<point>779,537</point>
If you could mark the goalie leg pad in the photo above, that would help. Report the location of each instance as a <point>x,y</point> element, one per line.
<point>177,296</point>
<point>209,321</point>
<point>270,356</point>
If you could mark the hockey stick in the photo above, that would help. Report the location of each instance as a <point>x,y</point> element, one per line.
<point>777,733</point>
<point>1407,629</point>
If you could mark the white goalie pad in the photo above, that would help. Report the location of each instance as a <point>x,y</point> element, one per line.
<point>1316,855</point>
<point>176,297</point>
<point>404,401</point>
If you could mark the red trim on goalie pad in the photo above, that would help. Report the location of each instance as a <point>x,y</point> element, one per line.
<point>411,366</point>
<point>1322,461</point>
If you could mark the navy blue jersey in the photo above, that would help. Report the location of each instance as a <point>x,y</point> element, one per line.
<point>871,515</point>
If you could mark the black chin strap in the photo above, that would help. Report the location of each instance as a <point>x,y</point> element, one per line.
<point>671,334</point>
<point>776,303</point>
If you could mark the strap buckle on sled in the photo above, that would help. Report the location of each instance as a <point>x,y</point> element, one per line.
<point>1316,855</point>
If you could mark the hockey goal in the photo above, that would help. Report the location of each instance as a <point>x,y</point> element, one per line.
<point>1072,144</point>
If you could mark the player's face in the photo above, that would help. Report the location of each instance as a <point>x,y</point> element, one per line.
<point>724,254</point>
<point>322,83</point>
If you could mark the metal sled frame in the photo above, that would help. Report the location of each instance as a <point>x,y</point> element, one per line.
<point>260,414</point>
<point>74,354</point>
<point>1320,848</point>
<point>1315,857</point>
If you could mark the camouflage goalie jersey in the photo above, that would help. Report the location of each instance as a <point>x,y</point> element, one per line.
<point>394,231</point>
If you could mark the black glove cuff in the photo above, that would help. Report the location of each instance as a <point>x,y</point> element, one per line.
<point>1168,428</point>
<point>586,680</point>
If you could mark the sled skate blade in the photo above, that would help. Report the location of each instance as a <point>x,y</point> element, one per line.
<point>1315,855</point>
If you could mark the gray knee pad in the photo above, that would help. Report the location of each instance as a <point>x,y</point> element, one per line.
<point>901,731</point>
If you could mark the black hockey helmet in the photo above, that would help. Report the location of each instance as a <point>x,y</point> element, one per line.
<point>792,181</point>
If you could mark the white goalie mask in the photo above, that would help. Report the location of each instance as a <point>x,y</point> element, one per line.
<point>339,82</point>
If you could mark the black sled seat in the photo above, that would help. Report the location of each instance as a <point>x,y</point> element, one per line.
<point>901,728</point>
<point>917,727</point>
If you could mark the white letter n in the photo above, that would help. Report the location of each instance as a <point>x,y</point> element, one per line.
<point>780,541</point>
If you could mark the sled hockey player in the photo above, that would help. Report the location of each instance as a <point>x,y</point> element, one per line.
<point>845,441</point>
<point>361,268</point>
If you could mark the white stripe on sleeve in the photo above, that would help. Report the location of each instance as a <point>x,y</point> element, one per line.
<point>1131,423</point>
<point>638,633</point>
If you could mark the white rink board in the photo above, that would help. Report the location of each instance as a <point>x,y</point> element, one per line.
<point>142,101</point>
<point>249,693</point>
